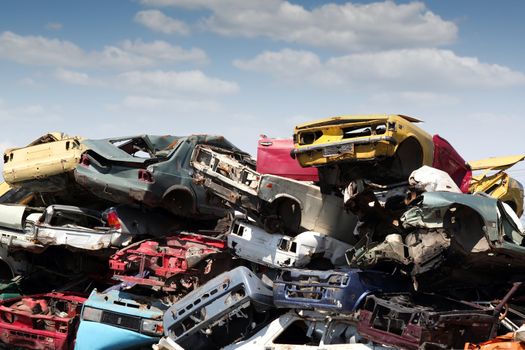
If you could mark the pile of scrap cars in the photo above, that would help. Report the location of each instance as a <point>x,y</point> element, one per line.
<point>361,232</point>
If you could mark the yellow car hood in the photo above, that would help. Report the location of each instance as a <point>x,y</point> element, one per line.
<point>350,118</point>
<point>496,163</point>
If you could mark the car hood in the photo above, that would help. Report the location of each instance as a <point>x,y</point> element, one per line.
<point>496,163</point>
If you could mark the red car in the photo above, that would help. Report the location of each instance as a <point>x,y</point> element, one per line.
<point>42,321</point>
<point>273,157</point>
<point>168,263</point>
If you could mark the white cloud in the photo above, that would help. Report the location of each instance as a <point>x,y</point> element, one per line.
<point>172,82</point>
<point>75,78</point>
<point>163,105</point>
<point>401,69</point>
<point>29,112</point>
<point>42,51</point>
<point>348,27</point>
<point>413,98</point>
<point>159,22</point>
<point>54,26</point>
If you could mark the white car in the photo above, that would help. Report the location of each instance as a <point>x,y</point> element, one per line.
<point>307,331</point>
<point>252,243</point>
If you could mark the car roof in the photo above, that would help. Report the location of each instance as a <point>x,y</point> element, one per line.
<point>349,118</point>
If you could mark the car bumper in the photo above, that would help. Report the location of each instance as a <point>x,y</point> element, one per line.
<point>362,149</point>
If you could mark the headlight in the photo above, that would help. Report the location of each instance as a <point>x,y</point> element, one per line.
<point>152,327</point>
<point>91,314</point>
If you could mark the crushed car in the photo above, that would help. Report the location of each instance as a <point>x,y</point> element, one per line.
<point>281,204</point>
<point>42,321</point>
<point>252,243</point>
<point>119,320</point>
<point>340,291</point>
<point>428,321</point>
<point>225,309</point>
<point>494,181</point>
<point>45,165</point>
<point>305,330</point>
<point>472,238</point>
<point>377,147</point>
<point>151,170</point>
<point>35,229</point>
<point>174,263</point>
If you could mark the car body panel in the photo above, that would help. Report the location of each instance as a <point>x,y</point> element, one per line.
<point>57,312</point>
<point>50,155</point>
<point>163,180</point>
<point>273,157</point>
<point>121,322</point>
<point>331,145</point>
<point>274,250</point>
<point>340,291</point>
<point>288,204</point>
<point>496,163</point>
<point>447,159</point>
<point>322,331</point>
<point>496,182</point>
<point>16,195</point>
<point>218,299</point>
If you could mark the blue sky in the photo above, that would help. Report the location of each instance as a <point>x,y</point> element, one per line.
<point>247,67</point>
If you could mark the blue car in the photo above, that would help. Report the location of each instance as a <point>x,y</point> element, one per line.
<point>340,291</point>
<point>118,320</point>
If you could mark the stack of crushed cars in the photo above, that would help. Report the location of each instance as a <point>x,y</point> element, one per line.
<point>361,232</point>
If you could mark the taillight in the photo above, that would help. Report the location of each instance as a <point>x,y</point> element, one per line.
<point>145,176</point>
<point>84,160</point>
<point>113,220</point>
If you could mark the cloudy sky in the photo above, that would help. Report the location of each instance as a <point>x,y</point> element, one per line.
<point>247,67</point>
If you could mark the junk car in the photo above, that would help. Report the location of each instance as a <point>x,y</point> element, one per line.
<point>34,229</point>
<point>391,146</point>
<point>494,181</point>
<point>177,262</point>
<point>273,157</point>
<point>252,243</point>
<point>45,164</point>
<point>338,291</point>
<point>307,331</point>
<point>452,239</point>
<point>281,204</point>
<point>42,321</point>
<point>424,321</point>
<point>152,170</point>
<point>222,310</point>
<point>119,320</point>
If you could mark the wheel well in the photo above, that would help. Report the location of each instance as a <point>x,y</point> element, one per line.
<point>179,201</point>
<point>288,211</point>
<point>408,157</point>
<point>5,270</point>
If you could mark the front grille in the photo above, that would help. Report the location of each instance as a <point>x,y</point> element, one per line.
<point>122,321</point>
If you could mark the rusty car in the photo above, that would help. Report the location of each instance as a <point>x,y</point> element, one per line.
<point>174,263</point>
<point>225,309</point>
<point>151,170</point>
<point>42,321</point>
<point>281,204</point>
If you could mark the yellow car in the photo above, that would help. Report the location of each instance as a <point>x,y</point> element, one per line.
<point>394,140</point>
<point>495,182</point>
<point>48,156</point>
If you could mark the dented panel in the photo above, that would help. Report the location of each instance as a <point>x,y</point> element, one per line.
<point>274,250</point>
